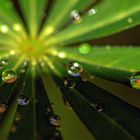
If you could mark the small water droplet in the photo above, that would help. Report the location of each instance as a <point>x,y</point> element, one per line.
<point>69,83</point>
<point>17,27</point>
<point>13,129</point>
<point>92,12</point>
<point>84,48</point>
<point>18,117</point>
<point>4,28</point>
<point>66,103</point>
<point>49,109</point>
<point>135,80</point>
<point>3,108</point>
<point>9,76</point>
<point>23,100</point>
<point>62,55</point>
<point>55,120</point>
<point>76,16</point>
<point>99,107</point>
<point>74,69</point>
<point>130,20</point>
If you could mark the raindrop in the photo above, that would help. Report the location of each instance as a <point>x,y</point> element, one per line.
<point>135,80</point>
<point>74,69</point>
<point>99,107</point>
<point>4,28</point>
<point>130,20</point>
<point>3,107</point>
<point>84,48</point>
<point>69,83</point>
<point>76,16</point>
<point>55,120</point>
<point>9,76</point>
<point>18,117</point>
<point>92,12</point>
<point>23,100</point>
<point>68,106</point>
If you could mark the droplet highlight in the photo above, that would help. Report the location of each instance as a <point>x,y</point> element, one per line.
<point>84,48</point>
<point>55,120</point>
<point>69,83</point>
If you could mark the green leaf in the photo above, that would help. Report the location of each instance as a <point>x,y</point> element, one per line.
<point>64,8</point>
<point>33,12</point>
<point>104,61</point>
<point>111,17</point>
<point>97,122</point>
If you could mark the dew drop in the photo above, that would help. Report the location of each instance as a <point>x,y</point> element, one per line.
<point>18,117</point>
<point>69,83</point>
<point>99,107</point>
<point>135,80</point>
<point>3,108</point>
<point>84,48</point>
<point>76,16</point>
<point>130,20</point>
<point>55,120</point>
<point>4,28</point>
<point>92,12</point>
<point>9,76</point>
<point>74,69</point>
<point>66,103</point>
<point>23,100</point>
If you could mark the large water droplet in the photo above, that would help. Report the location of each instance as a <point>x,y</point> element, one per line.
<point>69,83</point>
<point>135,80</point>
<point>74,69</point>
<point>55,120</point>
<point>9,76</point>
<point>84,48</point>
<point>23,100</point>
<point>3,107</point>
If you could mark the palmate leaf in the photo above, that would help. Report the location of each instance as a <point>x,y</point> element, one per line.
<point>39,44</point>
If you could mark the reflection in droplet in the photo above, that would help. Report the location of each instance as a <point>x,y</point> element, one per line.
<point>55,120</point>
<point>84,48</point>
<point>23,100</point>
<point>135,80</point>
<point>3,108</point>
<point>74,69</point>
<point>76,16</point>
<point>69,83</point>
<point>9,76</point>
<point>92,12</point>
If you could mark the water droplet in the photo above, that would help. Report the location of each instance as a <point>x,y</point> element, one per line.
<point>92,12</point>
<point>9,76</point>
<point>135,80</point>
<point>13,129</point>
<point>23,100</point>
<point>17,27</point>
<point>18,117</point>
<point>49,109</point>
<point>4,28</point>
<point>62,55</point>
<point>3,107</point>
<point>74,69</point>
<point>69,83</point>
<point>55,120</point>
<point>68,106</point>
<point>84,48</point>
<point>76,16</point>
<point>22,71</point>
<point>130,20</point>
<point>99,107</point>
